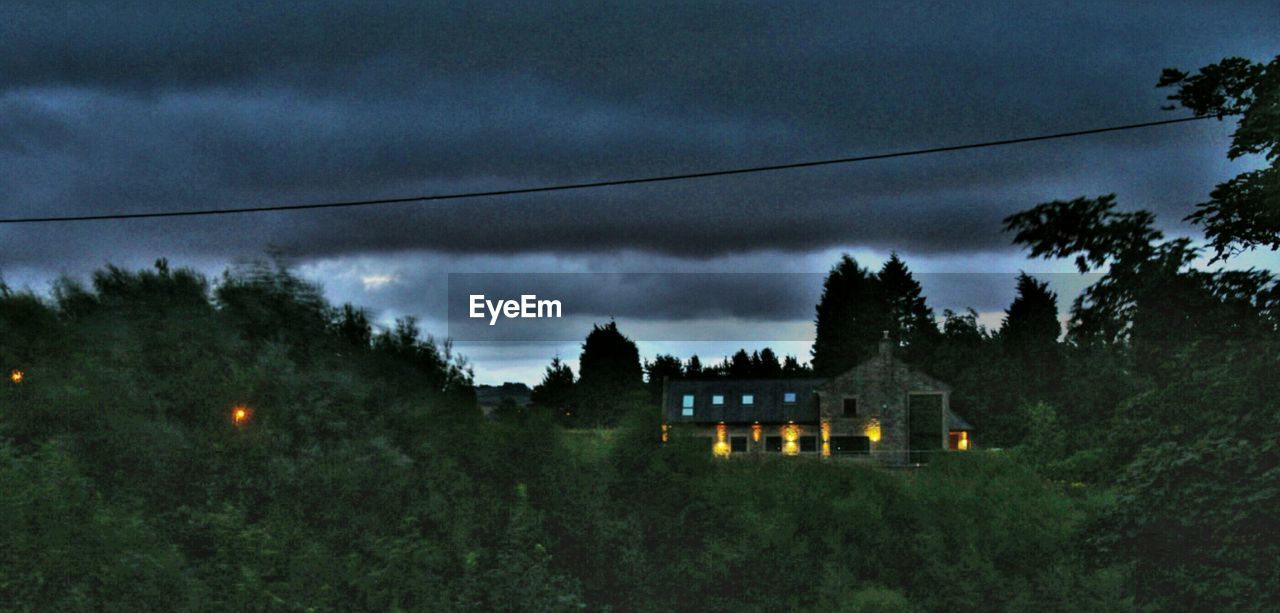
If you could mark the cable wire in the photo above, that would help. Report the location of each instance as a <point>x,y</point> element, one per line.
<point>595,184</point>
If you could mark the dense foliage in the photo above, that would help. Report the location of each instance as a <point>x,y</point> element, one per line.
<point>362,476</point>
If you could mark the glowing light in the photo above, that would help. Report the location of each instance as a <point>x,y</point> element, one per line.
<point>790,439</point>
<point>826,439</point>
<point>665,432</point>
<point>757,431</point>
<point>16,376</point>
<point>241,415</point>
<point>964,441</point>
<point>721,449</point>
<point>873,430</point>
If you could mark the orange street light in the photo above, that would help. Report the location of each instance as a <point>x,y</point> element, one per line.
<point>240,415</point>
<point>16,376</point>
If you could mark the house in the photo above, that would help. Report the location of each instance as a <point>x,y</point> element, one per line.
<point>880,410</point>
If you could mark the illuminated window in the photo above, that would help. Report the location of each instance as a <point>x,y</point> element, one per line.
<point>717,399</point>
<point>958,440</point>
<point>850,407</point>
<point>789,397</point>
<point>686,405</point>
<point>748,399</point>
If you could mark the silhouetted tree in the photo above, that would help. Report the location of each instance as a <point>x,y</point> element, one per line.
<point>850,318</point>
<point>555,392</point>
<point>353,326</point>
<point>791,367</point>
<point>1243,212</point>
<point>661,368</point>
<point>609,375</point>
<point>693,368</point>
<point>908,319</point>
<point>1031,322</point>
<point>739,366</point>
<point>766,364</point>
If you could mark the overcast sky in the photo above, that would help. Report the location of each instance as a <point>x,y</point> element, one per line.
<point>124,107</point>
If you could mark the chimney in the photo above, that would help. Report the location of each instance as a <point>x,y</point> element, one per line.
<point>886,346</point>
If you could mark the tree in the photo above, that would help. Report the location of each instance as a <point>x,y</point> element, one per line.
<point>739,366</point>
<point>1150,297</point>
<point>555,393</point>
<point>662,367</point>
<point>693,368</point>
<point>609,375</point>
<point>849,320</point>
<point>1244,212</point>
<point>352,325</point>
<point>908,319</point>
<point>791,367</point>
<point>1030,325</point>
<point>766,364</point>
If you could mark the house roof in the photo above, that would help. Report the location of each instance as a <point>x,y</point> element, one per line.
<point>768,400</point>
<point>957,423</point>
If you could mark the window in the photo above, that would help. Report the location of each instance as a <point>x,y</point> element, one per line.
<point>850,445</point>
<point>686,405</point>
<point>851,407</point>
<point>773,444</point>
<point>738,443</point>
<point>717,399</point>
<point>748,399</point>
<point>789,397</point>
<point>808,443</point>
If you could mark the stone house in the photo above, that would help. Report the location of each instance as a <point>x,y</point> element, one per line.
<point>881,410</point>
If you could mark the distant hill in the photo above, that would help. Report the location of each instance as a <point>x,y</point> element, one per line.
<point>488,396</point>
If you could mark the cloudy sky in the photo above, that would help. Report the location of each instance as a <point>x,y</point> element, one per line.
<point>129,107</point>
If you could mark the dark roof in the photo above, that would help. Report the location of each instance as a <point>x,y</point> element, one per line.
<point>768,404</point>
<point>955,422</point>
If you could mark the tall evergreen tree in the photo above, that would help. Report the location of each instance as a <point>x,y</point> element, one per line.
<point>908,318</point>
<point>850,318</point>
<point>609,375</point>
<point>555,393</point>
<point>1031,323</point>
<point>739,366</point>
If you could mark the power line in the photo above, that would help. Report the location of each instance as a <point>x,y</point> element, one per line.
<point>596,184</point>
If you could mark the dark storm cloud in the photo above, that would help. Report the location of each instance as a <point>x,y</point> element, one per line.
<point>138,106</point>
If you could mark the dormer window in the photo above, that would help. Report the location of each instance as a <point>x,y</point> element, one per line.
<point>686,405</point>
<point>789,397</point>
<point>748,400</point>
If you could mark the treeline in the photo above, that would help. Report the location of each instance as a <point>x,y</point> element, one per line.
<point>242,445</point>
<point>996,374</point>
